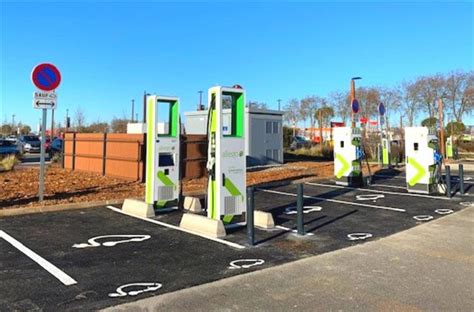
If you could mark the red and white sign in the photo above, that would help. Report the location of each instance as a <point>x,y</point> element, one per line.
<point>46,77</point>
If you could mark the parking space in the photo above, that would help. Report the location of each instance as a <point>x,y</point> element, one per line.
<point>115,258</point>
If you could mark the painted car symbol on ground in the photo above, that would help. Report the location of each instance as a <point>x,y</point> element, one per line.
<point>306,209</point>
<point>145,287</point>
<point>245,263</point>
<point>110,243</point>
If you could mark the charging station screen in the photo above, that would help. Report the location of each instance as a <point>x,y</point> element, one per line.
<point>165,160</point>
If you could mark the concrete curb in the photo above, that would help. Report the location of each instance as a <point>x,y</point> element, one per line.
<point>6,212</point>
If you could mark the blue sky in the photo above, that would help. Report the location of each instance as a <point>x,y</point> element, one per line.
<point>111,52</point>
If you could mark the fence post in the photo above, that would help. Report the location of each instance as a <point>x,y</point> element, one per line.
<point>250,221</point>
<point>299,208</point>
<point>104,153</point>
<point>461,179</point>
<point>73,165</point>
<point>63,148</point>
<point>448,181</point>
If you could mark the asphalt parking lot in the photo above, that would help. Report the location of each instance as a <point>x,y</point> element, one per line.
<point>94,258</point>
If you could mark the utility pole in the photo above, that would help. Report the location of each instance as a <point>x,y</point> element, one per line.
<point>133,108</point>
<point>67,120</point>
<point>144,107</point>
<point>353,97</point>
<point>279,101</point>
<point>441,126</point>
<point>52,124</point>
<point>13,123</point>
<point>200,100</point>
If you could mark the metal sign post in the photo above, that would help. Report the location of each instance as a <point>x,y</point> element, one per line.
<point>46,77</point>
<point>43,143</point>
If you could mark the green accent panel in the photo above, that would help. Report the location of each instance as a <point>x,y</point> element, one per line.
<point>161,203</point>
<point>213,199</point>
<point>213,120</point>
<point>385,156</point>
<point>345,166</point>
<point>233,190</point>
<point>150,140</point>
<point>227,218</point>
<point>239,115</point>
<point>174,119</point>
<point>420,171</point>
<point>164,178</point>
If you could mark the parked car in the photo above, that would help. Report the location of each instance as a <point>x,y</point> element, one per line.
<point>8,147</point>
<point>299,142</point>
<point>31,143</point>
<point>56,147</point>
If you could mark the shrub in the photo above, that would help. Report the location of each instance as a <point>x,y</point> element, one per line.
<point>8,162</point>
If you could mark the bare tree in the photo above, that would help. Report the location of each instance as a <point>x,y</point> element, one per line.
<point>292,113</point>
<point>79,118</point>
<point>428,90</point>
<point>340,101</point>
<point>391,99</point>
<point>409,102</point>
<point>311,104</point>
<point>459,91</point>
<point>259,105</point>
<point>119,125</point>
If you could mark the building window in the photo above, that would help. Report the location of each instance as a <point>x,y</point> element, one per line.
<point>268,127</point>
<point>275,127</point>
<point>269,153</point>
<point>275,155</point>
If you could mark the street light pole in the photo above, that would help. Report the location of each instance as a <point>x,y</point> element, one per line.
<point>441,126</point>
<point>200,100</point>
<point>353,97</point>
<point>133,109</point>
<point>279,101</point>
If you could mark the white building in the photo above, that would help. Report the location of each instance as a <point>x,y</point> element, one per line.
<point>263,130</point>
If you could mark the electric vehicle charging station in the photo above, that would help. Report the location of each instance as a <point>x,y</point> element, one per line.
<point>449,147</point>
<point>226,193</point>
<point>422,160</point>
<point>348,156</point>
<point>162,146</point>
<point>386,153</point>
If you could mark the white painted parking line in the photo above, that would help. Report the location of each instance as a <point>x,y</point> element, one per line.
<point>48,266</point>
<point>377,191</point>
<point>337,201</point>
<point>287,229</point>
<point>174,227</point>
<point>389,186</point>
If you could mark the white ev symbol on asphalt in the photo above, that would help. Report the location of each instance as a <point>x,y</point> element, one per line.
<point>423,218</point>
<point>245,263</point>
<point>127,239</point>
<point>358,236</point>
<point>372,197</point>
<point>147,288</point>
<point>306,209</point>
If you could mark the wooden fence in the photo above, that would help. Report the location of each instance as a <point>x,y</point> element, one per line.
<point>124,155</point>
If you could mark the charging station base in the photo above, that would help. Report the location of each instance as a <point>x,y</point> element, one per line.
<point>203,225</point>
<point>138,208</point>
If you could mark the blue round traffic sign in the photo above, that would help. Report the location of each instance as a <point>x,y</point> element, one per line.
<point>46,77</point>
<point>355,106</point>
<point>381,109</point>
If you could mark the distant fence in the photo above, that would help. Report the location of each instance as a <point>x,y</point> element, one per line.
<point>124,155</point>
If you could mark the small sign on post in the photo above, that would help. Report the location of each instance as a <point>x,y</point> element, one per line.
<point>46,77</point>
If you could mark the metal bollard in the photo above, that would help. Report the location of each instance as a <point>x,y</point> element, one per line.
<point>448,181</point>
<point>250,221</point>
<point>299,208</point>
<point>461,179</point>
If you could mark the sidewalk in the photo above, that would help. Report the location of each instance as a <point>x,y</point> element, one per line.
<point>429,267</point>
